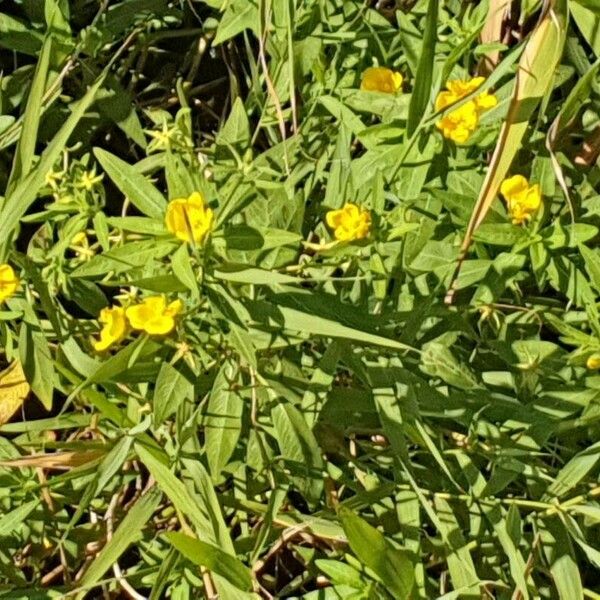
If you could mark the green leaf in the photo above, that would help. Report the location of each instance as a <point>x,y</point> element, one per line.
<point>213,558</point>
<point>420,97</point>
<point>10,521</point>
<point>438,361</point>
<point>591,259</point>
<point>31,119</point>
<point>240,15</point>
<point>172,387</point>
<point>391,565</point>
<point>128,532</point>
<point>300,450</point>
<point>142,194</point>
<point>37,364</point>
<point>574,471</point>
<point>124,258</point>
<point>321,315</point>
<point>176,491</point>
<point>236,130</point>
<point>223,419</point>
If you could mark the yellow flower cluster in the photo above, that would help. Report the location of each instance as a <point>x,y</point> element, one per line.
<point>522,199</point>
<point>381,79</point>
<point>349,223</point>
<point>153,315</point>
<point>9,282</point>
<point>189,219</point>
<point>459,124</point>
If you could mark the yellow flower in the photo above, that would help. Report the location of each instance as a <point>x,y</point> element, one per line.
<point>153,315</point>
<point>593,362</point>
<point>80,244</point>
<point>53,179</point>
<point>114,328</point>
<point>522,199</point>
<point>381,79</point>
<point>161,138</point>
<point>459,124</point>
<point>189,219</point>
<point>9,282</point>
<point>89,180</point>
<point>349,223</point>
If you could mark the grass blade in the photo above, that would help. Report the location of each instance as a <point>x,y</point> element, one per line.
<point>534,77</point>
<point>424,76</point>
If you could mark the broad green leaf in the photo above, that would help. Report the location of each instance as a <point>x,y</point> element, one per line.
<point>10,521</point>
<point>223,419</point>
<point>236,130</point>
<point>240,15</point>
<point>142,194</point>
<point>391,565</point>
<point>124,258</point>
<point>37,363</point>
<point>176,491</point>
<point>574,471</point>
<point>172,387</point>
<point>213,558</point>
<point>438,361</point>
<point>299,448</point>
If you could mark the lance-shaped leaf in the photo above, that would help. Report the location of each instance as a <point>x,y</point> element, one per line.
<point>534,77</point>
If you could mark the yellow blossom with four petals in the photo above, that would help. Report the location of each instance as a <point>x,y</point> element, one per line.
<point>349,222</point>
<point>189,219</point>
<point>522,199</point>
<point>153,315</point>
<point>459,124</point>
<point>114,328</point>
<point>381,79</point>
<point>9,282</point>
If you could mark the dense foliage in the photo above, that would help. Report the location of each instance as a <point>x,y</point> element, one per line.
<point>299,299</point>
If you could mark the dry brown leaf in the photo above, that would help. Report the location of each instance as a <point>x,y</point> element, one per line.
<point>57,460</point>
<point>492,32</point>
<point>13,390</point>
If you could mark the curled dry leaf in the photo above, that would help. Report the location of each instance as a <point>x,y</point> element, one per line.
<point>492,32</point>
<point>13,390</point>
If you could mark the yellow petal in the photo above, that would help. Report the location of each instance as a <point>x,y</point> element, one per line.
<point>188,218</point>
<point>333,218</point>
<point>9,282</point>
<point>398,79</point>
<point>114,329</point>
<point>381,79</point>
<point>160,325</point>
<point>513,186</point>
<point>147,310</point>
<point>174,308</point>
<point>533,197</point>
<point>444,99</point>
<point>593,362</point>
<point>486,101</point>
